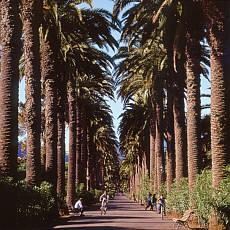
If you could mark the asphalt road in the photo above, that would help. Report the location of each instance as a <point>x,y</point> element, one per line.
<point>122,214</point>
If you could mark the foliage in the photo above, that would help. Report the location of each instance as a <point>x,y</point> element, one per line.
<point>178,198</point>
<point>89,197</point>
<point>162,190</point>
<point>201,196</point>
<point>144,187</point>
<point>129,195</point>
<point>33,205</point>
<point>221,201</point>
<point>21,171</point>
<point>7,200</point>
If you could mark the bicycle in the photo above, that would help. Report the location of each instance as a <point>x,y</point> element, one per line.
<point>103,209</point>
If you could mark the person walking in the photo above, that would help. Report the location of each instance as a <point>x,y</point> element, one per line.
<point>161,202</point>
<point>149,203</point>
<point>154,202</point>
<point>104,198</point>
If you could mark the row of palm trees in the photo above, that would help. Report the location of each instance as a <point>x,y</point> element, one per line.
<point>57,46</point>
<point>168,46</point>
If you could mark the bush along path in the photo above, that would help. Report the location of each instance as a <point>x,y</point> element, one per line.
<point>122,214</point>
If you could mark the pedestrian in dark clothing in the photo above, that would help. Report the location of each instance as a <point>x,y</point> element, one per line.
<point>149,203</point>
<point>154,202</point>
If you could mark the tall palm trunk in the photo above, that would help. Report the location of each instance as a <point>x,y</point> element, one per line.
<point>102,175</point>
<point>152,147</point>
<point>217,25</point>
<point>179,130</point>
<point>10,42</point>
<point>173,44</point>
<point>83,145</point>
<point>170,154</point>
<point>49,75</point>
<point>193,70</point>
<point>88,171</point>
<point>155,183</point>
<point>32,11</point>
<point>61,142</point>
<point>78,142</point>
<point>10,34</point>
<point>159,145</point>
<point>92,163</point>
<point>193,107</point>
<point>72,143</point>
<point>218,34</point>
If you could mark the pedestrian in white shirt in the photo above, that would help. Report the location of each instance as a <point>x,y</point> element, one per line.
<point>79,206</point>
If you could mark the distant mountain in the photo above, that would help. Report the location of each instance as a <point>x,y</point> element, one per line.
<point>66,157</point>
<point>21,153</point>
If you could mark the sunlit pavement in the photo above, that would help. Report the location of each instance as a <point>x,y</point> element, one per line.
<point>122,214</point>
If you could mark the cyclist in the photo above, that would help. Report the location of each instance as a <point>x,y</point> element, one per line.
<point>104,198</point>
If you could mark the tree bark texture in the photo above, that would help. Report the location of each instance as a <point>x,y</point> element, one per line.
<point>72,143</point>
<point>83,145</point>
<point>152,147</point>
<point>217,25</point>
<point>78,141</point>
<point>11,44</point>
<point>32,13</point>
<point>170,153</point>
<point>193,53</point>
<point>49,75</point>
<point>179,129</point>
<point>61,142</point>
<point>159,145</point>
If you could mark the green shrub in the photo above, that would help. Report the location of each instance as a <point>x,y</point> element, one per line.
<point>129,195</point>
<point>144,188</point>
<point>201,196</point>
<point>178,198</point>
<point>221,201</point>
<point>35,205</point>
<point>97,194</point>
<point>89,197</point>
<point>162,190</point>
<point>8,201</point>
<point>25,206</point>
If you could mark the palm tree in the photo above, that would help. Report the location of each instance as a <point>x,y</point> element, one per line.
<point>31,14</point>
<point>217,26</point>
<point>10,54</point>
<point>173,30</point>
<point>159,145</point>
<point>49,75</point>
<point>72,142</point>
<point>78,141</point>
<point>194,34</point>
<point>152,131</point>
<point>87,28</point>
<point>61,137</point>
<point>148,35</point>
<point>170,153</point>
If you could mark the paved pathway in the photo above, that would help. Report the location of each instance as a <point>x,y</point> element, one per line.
<point>122,214</point>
